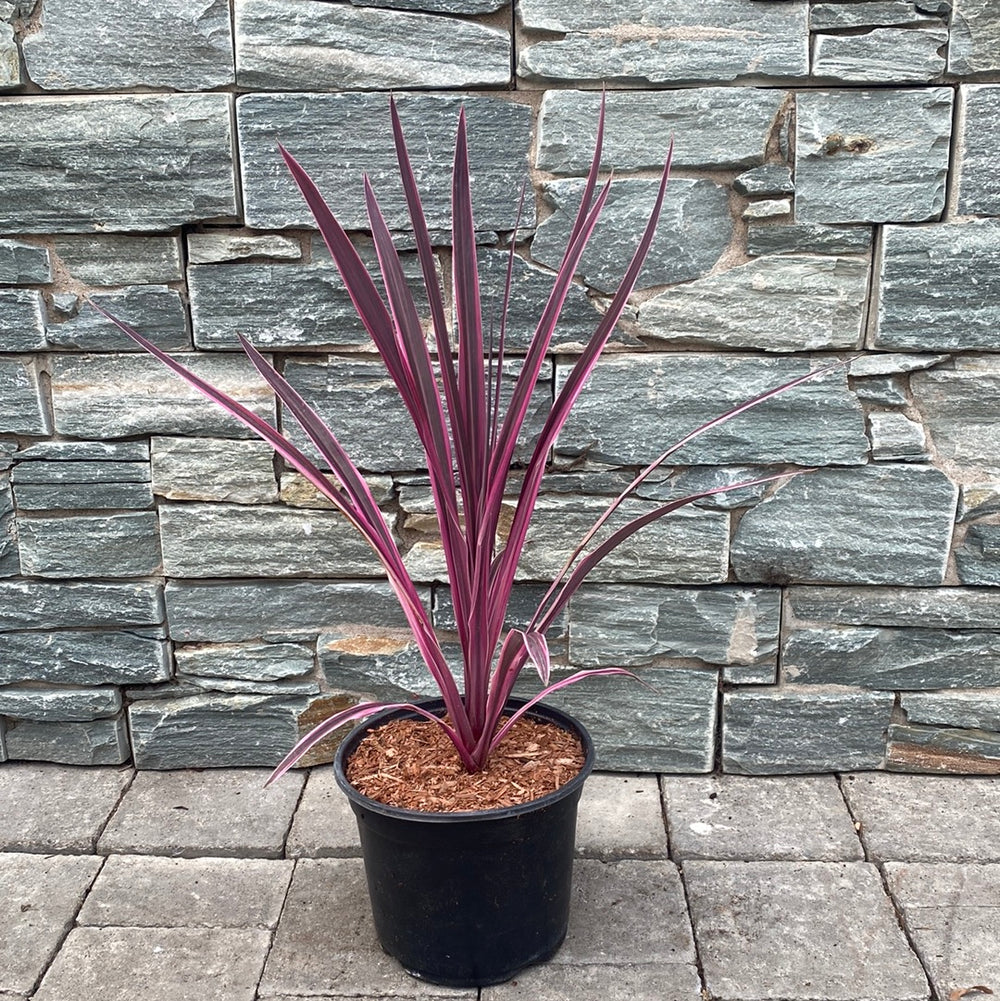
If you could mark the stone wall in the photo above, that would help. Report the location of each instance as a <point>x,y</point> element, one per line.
<point>170,594</point>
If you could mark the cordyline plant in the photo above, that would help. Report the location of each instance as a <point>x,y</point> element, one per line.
<point>469,441</point>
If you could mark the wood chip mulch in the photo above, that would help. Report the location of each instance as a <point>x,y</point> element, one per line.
<point>412,764</point>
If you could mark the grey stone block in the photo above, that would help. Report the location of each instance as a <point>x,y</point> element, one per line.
<point>902,55</point>
<point>217,246</point>
<point>717,127</point>
<point>978,710</point>
<point>324,824</point>
<point>979,188</point>
<point>22,320</point>
<point>256,662</point>
<point>802,238</point>
<point>118,396</point>
<point>637,406</point>
<point>34,604</point>
<point>975,37</point>
<point>869,14</point>
<point>978,557</point>
<point>927,818</point>
<point>10,59</point>
<point>226,813</point>
<point>794,730</point>
<point>872,156</point>
<point>641,42</point>
<point>978,500</point>
<point>64,482</point>
<point>685,481</point>
<point>287,45</point>
<point>733,817</point>
<point>812,530</point>
<point>23,408</point>
<point>599,982</point>
<point>882,391</point>
<point>768,209</point>
<point>842,939</point>
<point>161,962</point>
<point>137,891</point>
<point>10,562</point>
<point>42,704</point>
<point>335,136</point>
<point>297,491</point>
<point>187,46</point>
<point>120,260</point>
<point>437,6</point>
<point>780,303</point>
<point>865,366</point>
<point>130,182</point>
<point>693,230</point>
<point>91,742</point>
<point>53,809</point>
<point>48,888</point>
<point>620,817</point>
<point>950,750</point>
<point>213,469</point>
<point>24,263</point>
<point>895,438</point>
<point>768,179</point>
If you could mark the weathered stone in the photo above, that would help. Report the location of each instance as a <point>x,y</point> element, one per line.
<point>116,545</point>
<point>324,824</point>
<point>120,260</point>
<point>228,540</point>
<point>891,364</point>
<point>797,238</point>
<point>186,46</point>
<point>975,37</point>
<point>213,469</point>
<point>895,438</point>
<point>155,311</point>
<point>687,480</point>
<point>524,600</point>
<point>307,45</point>
<point>190,685</point>
<point>978,557</point>
<point>978,500</point>
<point>22,320</point>
<point>437,6</point>
<point>213,247</point>
<point>637,626</point>
<point>768,179</point>
<point>91,742</point>
<point>53,483</point>
<point>635,407</point>
<point>7,450</point>
<point>781,303</point>
<point>792,729</point>
<point>85,451</point>
<point>978,186</point>
<point>694,229</point>
<point>882,391</point>
<point>246,661</point>
<point>10,59</point>
<point>336,136</point>
<point>877,524</point>
<point>768,209</point>
<point>23,409</point>
<point>55,704</point>
<point>902,55</point>
<point>117,396</point>
<point>297,491</point>
<point>872,155</point>
<point>723,127</point>
<point>950,750</point>
<point>24,263</point>
<point>34,604</point>
<point>650,43</point>
<point>621,817</point>
<point>870,14</point>
<point>10,563</point>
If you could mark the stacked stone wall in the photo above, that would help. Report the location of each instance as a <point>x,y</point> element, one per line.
<point>171,595</point>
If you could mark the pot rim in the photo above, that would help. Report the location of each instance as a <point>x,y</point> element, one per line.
<point>540,710</point>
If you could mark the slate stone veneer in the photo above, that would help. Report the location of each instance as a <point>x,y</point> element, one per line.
<point>171,594</point>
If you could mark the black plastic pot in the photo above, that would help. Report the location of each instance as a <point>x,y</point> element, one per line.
<point>469,899</point>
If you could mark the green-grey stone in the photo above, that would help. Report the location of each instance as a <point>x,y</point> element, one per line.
<point>91,742</point>
<point>800,238</point>
<point>979,185</point>
<point>978,557</point>
<point>10,60</point>
<point>54,471</point>
<point>165,160</point>
<point>794,730</point>
<point>49,484</point>
<point>768,209</point>
<point>895,438</point>
<point>900,55</point>
<point>688,480</point>
<point>85,451</point>
<point>24,263</point>
<point>23,409</point>
<point>10,564</point>
<point>245,661</point>
<point>768,179</point>
<point>43,703</point>
<point>183,45</point>
<point>120,260</point>
<point>883,391</point>
<point>116,545</point>
<point>307,45</point>
<point>22,320</point>
<point>977,710</point>
<point>975,37</point>
<point>75,657</point>
<point>872,155</point>
<point>693,231</point>
<point>637,626</point>
<point>637,406</point>
<point>891,364</point>
<point>229,245</point>
<point>338,136</point>
<point>118,396</point>
<point>437,6</point>
<point>979,500</point>
<point>820,301</point>
<point>155,311</point>
<point>287,688</point>
<point>213,469</point>
<point>870,14</point>
<point>951,750</point>
<point>876,524</point>
<point>35,604</point>
<point>722,127</point>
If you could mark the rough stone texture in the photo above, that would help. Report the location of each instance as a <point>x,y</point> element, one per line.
<point>324,824</point>
<point>333,135</point>
<point>620,817</point>
<point>769,179</point>
<point>22,320</point>
<point>131,182</point>
<point>791,730</point>
<point>10,563</point>
<point>768,209</point>
<point>636,626</point>
<point>117,396</point>
<point>893,811</point>
<point>190,814</point>
<point>35,604</point>
<point>287,45</point>
<point>636,407</point>
<point>978,557</point>
<point>979,189</point>
<point>183,46</point>
<point>598,982</point>
<point>642,42</point>
<point>868,14</point>
<point>842,940</point>
<point>93,742</point>
<point>895,438</point>
<point>23,409</point>
<point>693,231</point>
<point>437,6</point>
<point>722,127</point>
<point>977,709</point>
<point>781,303</point>
<point>257,662</point>
<point>51,889</point>
<point>34,703</point>
<point>212,248</point>
<point>24,263</point>
<point>902,55</point>
<point>782,819</point>
<point>892,364</point>
<point>10,61</point>
<point>813,529</point>
<point>978,500</point>
<point>800,238</point>
<point>950,750</point>
<point>882,391</point>
<point>213,469</point>
<point>120,260</point>
<point>871,156</point>
<point>975,37</point>
<point>55,810</point>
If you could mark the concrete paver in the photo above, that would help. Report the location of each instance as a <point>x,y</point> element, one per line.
<point>149,891</point>
<point>930,818</point>
<point>324,825</point>
<point>646,982</point>
<point>799,931</point>
<point>225,811</point>
<point>952,912</point>
<point>52,808</point>
<point>788,818</point>
<point>620,816</point>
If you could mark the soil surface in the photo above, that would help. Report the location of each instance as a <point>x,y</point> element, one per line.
<point>412,764</point>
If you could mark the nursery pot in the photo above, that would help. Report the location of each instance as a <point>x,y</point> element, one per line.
<point>472,898</point>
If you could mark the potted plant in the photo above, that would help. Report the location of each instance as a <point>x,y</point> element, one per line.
<point>469,893</point>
